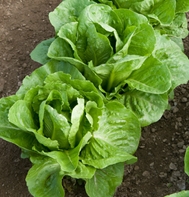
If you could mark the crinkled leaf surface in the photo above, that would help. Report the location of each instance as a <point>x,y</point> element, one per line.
<point>162,11</point>
<point>171,56</point>
<point>182,6</point>
<point>152,77</point>
<point>105,181</point>
<point>147,107</point>
<point>115,140</point>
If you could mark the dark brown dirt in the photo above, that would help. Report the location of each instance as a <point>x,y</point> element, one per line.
<point>159,170</point>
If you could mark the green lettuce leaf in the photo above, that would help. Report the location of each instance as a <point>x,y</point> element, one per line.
<point>67,11</point>
<point>10,132</point>
<point>173,58</point>
<point>182,6</point>
<point>39,54</point>
<point>147,107</point>
<point>105,181</point>
<point>161,11</point>
<point>186,162</point>
<point>38,76</point>
<point>118,133</point>
<point>152,77</point>
<point>179,194</point>
<point>45,177</point>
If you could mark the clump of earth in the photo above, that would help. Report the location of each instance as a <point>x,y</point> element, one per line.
<point>160,167</point>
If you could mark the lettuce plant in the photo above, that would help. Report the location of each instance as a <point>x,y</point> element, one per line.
<point>67,128</point>
<point>127,52</point>
<point>109,70</point>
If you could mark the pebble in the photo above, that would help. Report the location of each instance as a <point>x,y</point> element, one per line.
<point>152,164</point>
<point>136,168</point>
<point>24,65</point>
<point>153,130</point>
<point>146,174</point>
<point>176,173</point>
<point>172,166</point>
<point>162,175</point>
<point>175,109</point>
<point>184,100</point>
<point>181,185</point>
<point>181,151</point>
<point>180,144</point>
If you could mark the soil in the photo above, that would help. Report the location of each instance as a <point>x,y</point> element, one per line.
<point>159,170</point>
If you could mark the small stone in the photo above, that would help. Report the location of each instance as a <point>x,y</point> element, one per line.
<point>153,130</point>
<point>172,166</point>
<point>181,151</point>
<point>176,173</point>
<point>136,168</point>
<point>152,164</point>
<point>175,109</point>
<point>180,144</point>
<point>24,65</point>
<point>162,175</point>
<point>142,146</point>
<point>184,100</point>
<point>181,185</point>
<point>146,174</point>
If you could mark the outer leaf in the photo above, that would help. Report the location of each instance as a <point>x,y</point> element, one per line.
<point>39,54</point>
<point>68,32</point>
<point>178,27</point>
<point>60,48</point>
<point>179,194</point>
<point>152,77</point>
<point>186,161</point>
<point>105,181</point>
<point>11,133</point>
<point>116,138</point>
<point>147,107</point>
<point>45,178</point>
<point>20,114</point>
<point>66,12</point>
<point>171,56</point>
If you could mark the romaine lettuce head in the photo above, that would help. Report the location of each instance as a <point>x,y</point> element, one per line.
<point>66,127</point>
<point>130,50</point>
